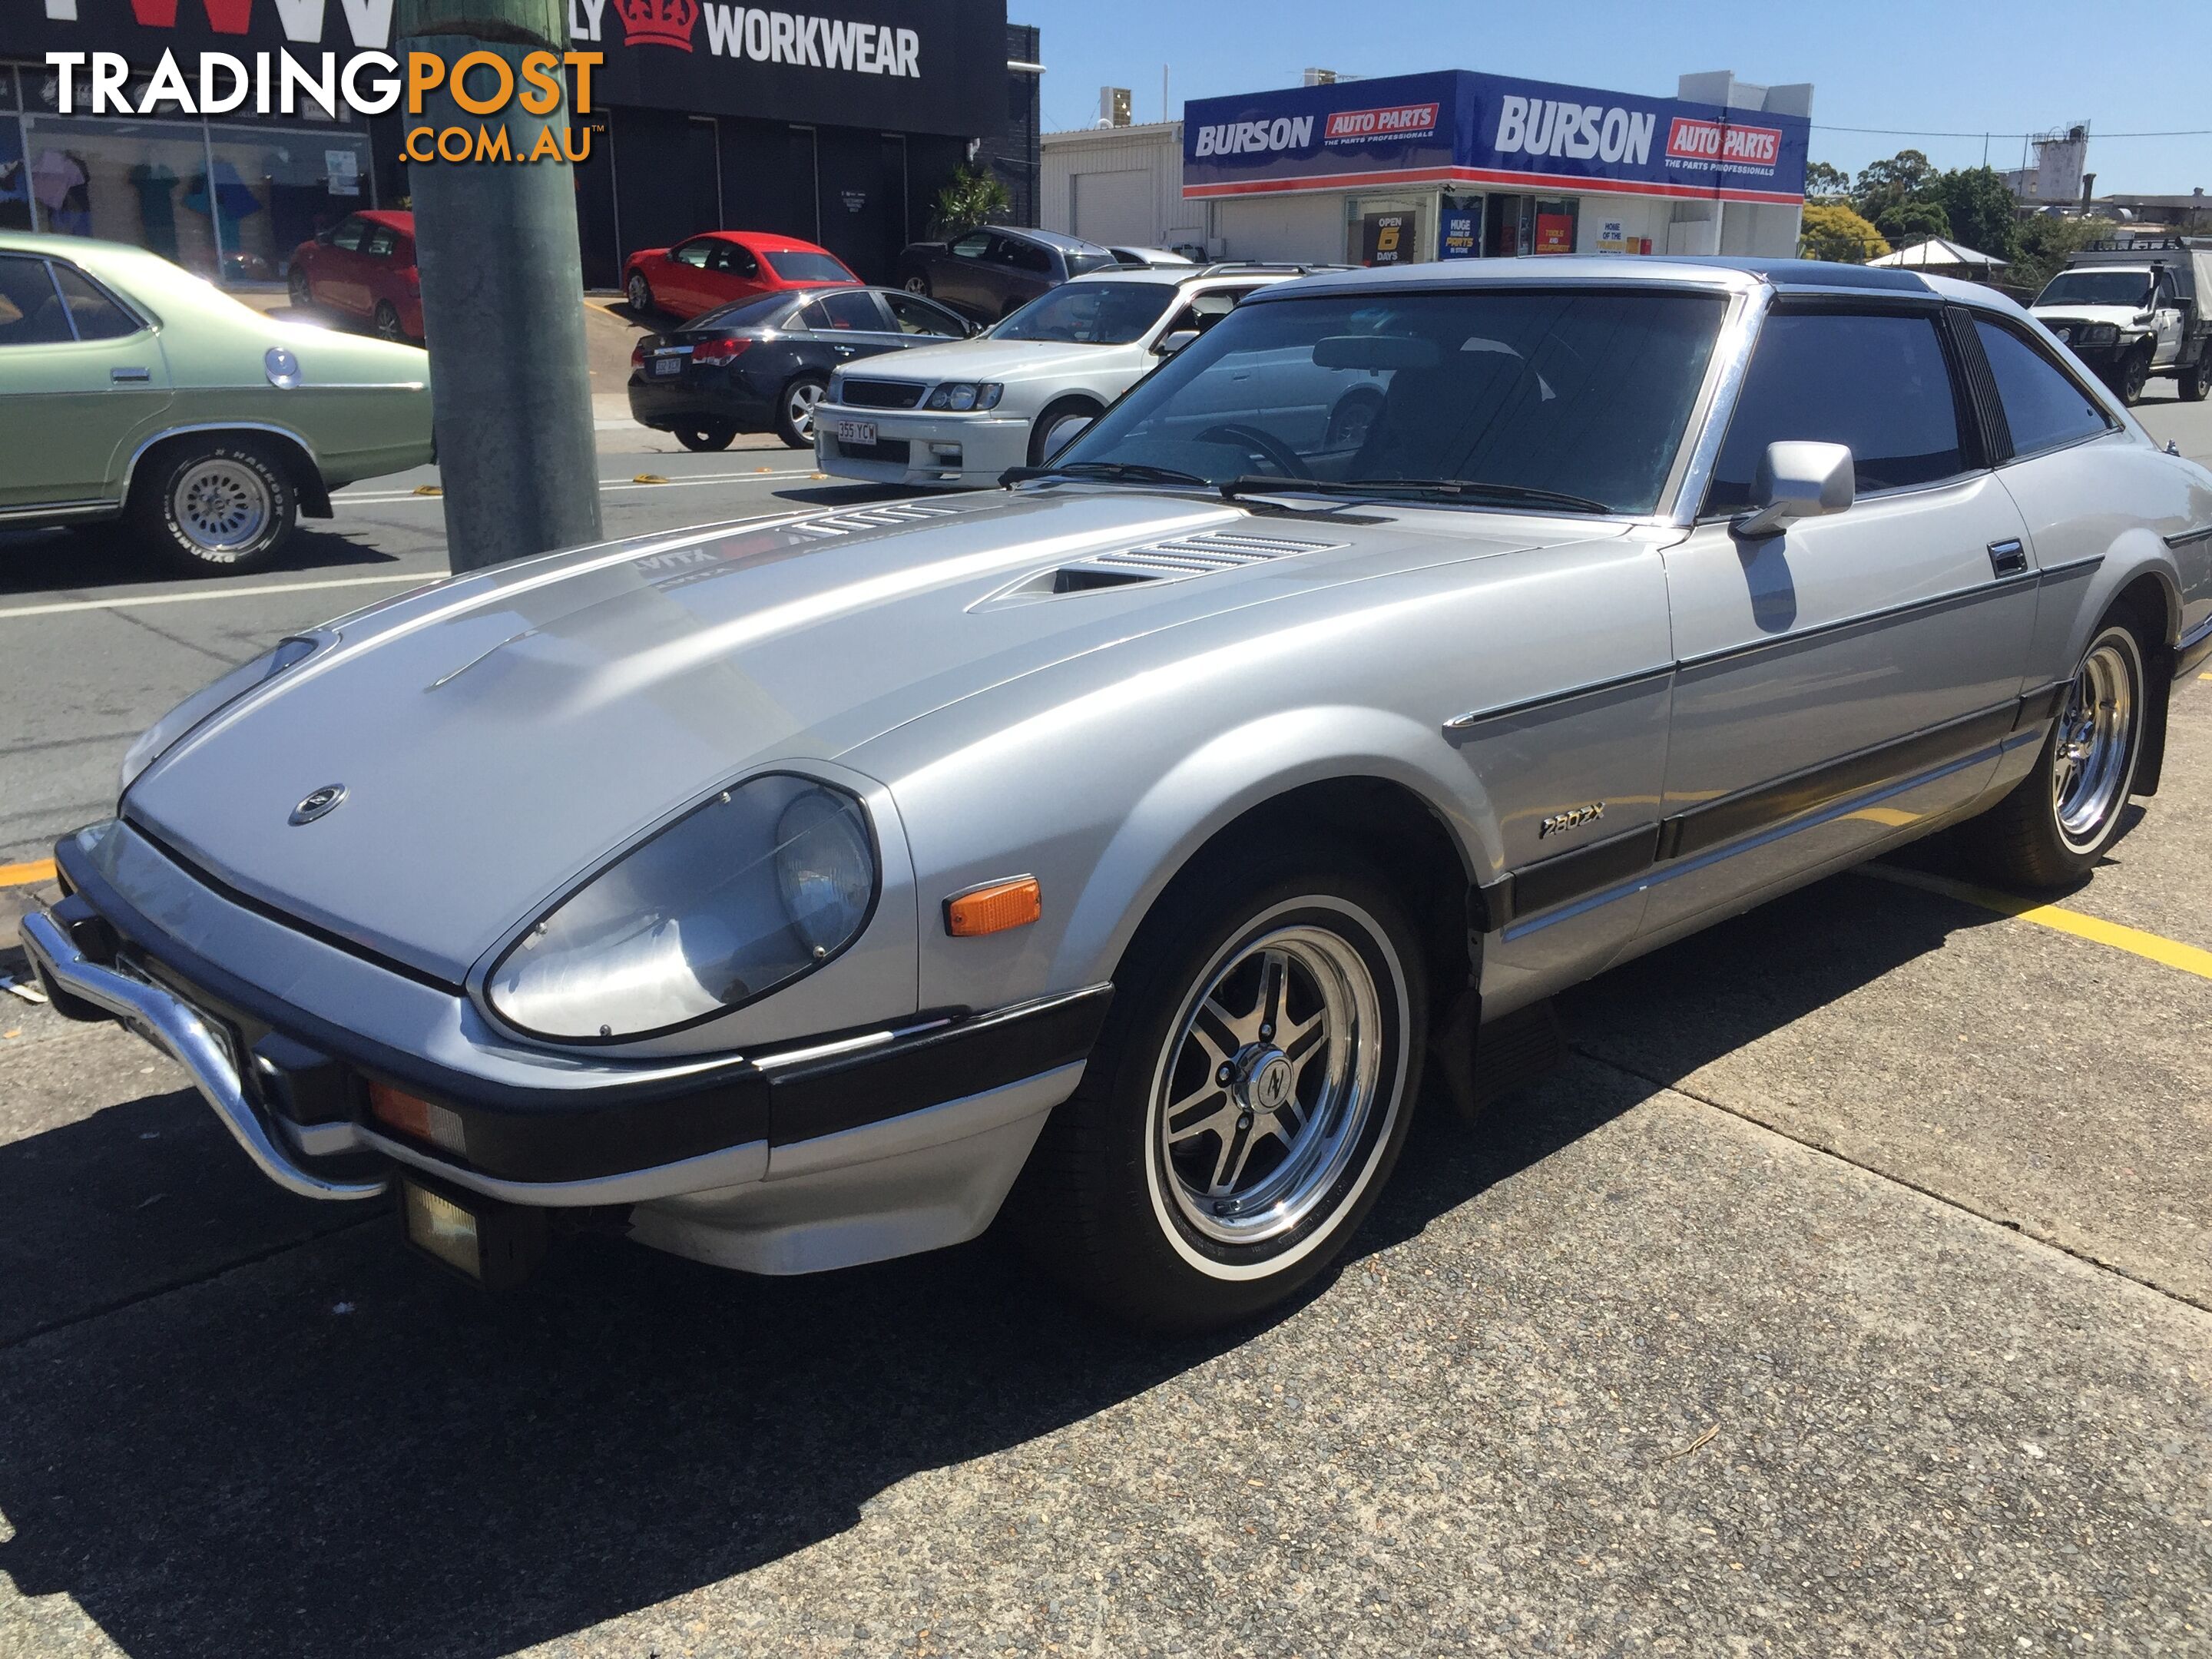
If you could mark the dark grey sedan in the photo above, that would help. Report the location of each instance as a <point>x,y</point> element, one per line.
<point>994,270</point>
<point>763,364</point>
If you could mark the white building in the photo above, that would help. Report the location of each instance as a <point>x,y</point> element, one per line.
<point>1445,165</point>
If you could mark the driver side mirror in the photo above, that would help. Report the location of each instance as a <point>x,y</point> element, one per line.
<point>1171,343</point>
<point>1795,481</point>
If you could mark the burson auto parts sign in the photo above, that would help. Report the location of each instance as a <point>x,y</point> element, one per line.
<point>1455,127</point>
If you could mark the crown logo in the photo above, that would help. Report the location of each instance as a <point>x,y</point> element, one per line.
<point>659,22</point>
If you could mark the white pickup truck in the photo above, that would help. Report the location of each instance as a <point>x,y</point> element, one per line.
<point>2133,309</point>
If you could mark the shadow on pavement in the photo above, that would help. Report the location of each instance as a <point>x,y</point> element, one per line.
<point>341,1452</point>
<point>95,557</point>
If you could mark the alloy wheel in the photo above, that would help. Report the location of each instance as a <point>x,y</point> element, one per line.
<point>2095,745</point>
<point>222,507</point>
<point>799,405</point>
<point>1267,1086</point>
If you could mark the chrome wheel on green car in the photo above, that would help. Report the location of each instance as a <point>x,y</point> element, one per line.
<point>213,505</point>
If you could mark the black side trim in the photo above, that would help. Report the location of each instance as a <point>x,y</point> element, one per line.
<point>2189,536</point>
<point>1940,603</point>
<point>1568,877</point>
<point>2072,566</point>
<point>1529,705</point>
<point>2040,705</point>
<point>2195,649</point>
<point>985,1051</point>
<point>1740,814</point>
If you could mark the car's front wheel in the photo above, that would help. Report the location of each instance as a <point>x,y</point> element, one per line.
<point>302,293</point>
<point>641,294</point>
<point>389,323</point>
<point>214,505</point>
<point>1247,1098</point>
<point>2052,829</point>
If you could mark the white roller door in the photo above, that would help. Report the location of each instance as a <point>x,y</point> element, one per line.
<point>1295,228</point>
<point>1114,207</point>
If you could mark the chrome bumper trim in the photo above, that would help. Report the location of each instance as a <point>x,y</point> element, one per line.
<point>174,1027</point>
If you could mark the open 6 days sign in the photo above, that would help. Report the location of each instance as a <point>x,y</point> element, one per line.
<point>1457,127</point>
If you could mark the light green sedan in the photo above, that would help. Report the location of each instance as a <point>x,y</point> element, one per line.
<point>132,390</point>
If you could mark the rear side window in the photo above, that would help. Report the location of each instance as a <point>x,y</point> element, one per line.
<point>920,317</point>
<point>98,316</point>
<point>1877,383</point>
<point>2042,406</point>
<point>30,310</point>
<point>796,265</point>
<point>381,243</point>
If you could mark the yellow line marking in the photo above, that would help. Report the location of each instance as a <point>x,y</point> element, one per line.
<point>648,478</point>
<point>2170,953</point>
<point>417,577</point>
<point>26,875</point>
<point>2204,676</point>
<point>429,489</point>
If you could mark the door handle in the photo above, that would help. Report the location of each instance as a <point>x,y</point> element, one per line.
<point>120,376</point>
<point>2008,558</point>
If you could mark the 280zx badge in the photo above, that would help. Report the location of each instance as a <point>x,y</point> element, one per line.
<point>1573,818</point>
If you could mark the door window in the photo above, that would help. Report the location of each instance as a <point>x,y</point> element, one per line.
<point>1879,383</point>
<point>918,316</point>
<point>735,260</point>
<point>347,237</point>
<point>972,246</point>
<point>848,312</point>
<point>97,316</point>
<point>2043,405</point>
<point>381,240</point>
<point>692,253</point>
<point>1022,256</point>
<point>30,310</point>
<point>1205,309</point>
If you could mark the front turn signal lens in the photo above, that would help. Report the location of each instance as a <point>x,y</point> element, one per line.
<point>415,1117</point>
<point>994,908</point>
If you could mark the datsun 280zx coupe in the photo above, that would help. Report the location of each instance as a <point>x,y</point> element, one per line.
<point>1117,849</point>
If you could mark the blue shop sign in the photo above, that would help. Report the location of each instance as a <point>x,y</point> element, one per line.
<point>1455,127</point>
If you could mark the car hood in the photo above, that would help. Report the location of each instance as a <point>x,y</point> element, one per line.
<point>496,736</point>
<point>991,360</point>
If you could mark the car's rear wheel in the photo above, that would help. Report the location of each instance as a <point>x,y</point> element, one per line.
<point>214,505</point>
<point>705,438</point>
<point>302,293</point>
<point>2052,829</point>
<point>388,323</point>
<point>918,284</point>
<point>1248,1097</point>
<point>794,410</point>
<point>640,293</point>
<point>2195,378</point>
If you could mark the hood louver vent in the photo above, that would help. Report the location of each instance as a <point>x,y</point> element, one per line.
<point>870,518</point>
<point>1182,556</point>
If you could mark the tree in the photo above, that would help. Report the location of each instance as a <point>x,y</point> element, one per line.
<point>1982,211</point>
<point>1905,176</point>
<point>1826,184</point>
<point>2046,241</point>
<point>1912,222</point>
<point>1833,232</point>
<point>975,196</point>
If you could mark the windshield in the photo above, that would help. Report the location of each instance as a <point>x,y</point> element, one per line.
<point>1090,313</point>
<point>796,267</point>
<point>1581,395</point>
<point>761,313</point>
<point>2096,288</point>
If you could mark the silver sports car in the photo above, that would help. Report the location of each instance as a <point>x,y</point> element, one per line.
<point>1117,848</point>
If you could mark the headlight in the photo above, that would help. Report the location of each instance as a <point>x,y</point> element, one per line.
<point>745,893</point>
<point>163,736</point>
<point>966,395</point>
<point>2097,334</point>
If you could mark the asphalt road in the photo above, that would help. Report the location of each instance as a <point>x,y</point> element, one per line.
<point>1849,1292</point>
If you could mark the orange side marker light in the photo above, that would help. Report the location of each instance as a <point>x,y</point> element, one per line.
<point>994,907</point>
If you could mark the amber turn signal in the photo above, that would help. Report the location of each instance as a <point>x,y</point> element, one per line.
<point>994,908</point>
<point>414,1116</point>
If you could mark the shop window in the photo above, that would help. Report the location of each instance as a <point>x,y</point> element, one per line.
<point>14,174</point>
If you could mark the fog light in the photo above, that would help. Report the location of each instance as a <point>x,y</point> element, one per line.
<point>497,1245</point>
<point>949,453</point>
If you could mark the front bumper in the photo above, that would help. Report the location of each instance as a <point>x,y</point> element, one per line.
<point>913,447</point>
<point>294,1089</point>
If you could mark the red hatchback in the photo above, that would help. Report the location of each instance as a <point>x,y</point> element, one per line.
<point>720,267</point>
<point>363,268</point>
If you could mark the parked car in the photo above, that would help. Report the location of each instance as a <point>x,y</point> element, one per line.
<point>762,366</point>
<point>1131,842</point>
<point>2133,309</point>
<point>958,416</point>
<point>362,269</point>
<point>994,270</point>
<point>132,390</point>
<point>722,267</point>
<point>1149,256</point>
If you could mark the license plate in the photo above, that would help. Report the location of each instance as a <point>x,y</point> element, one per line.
<point>856,432</point>
<point>668,365</point>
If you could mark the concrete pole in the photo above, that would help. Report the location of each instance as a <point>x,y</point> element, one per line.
<point>502,298</point>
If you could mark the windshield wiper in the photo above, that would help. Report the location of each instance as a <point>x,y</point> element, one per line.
<point>1109,471</point>
<point>1449,489</point>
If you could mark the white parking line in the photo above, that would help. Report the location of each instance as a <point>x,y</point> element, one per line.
<point>418,577</point>
<point>395,497</point>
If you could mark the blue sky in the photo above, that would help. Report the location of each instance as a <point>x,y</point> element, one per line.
<point>2023,66</point>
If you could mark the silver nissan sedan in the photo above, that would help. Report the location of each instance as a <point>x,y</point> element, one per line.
<point>1117,849</point>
